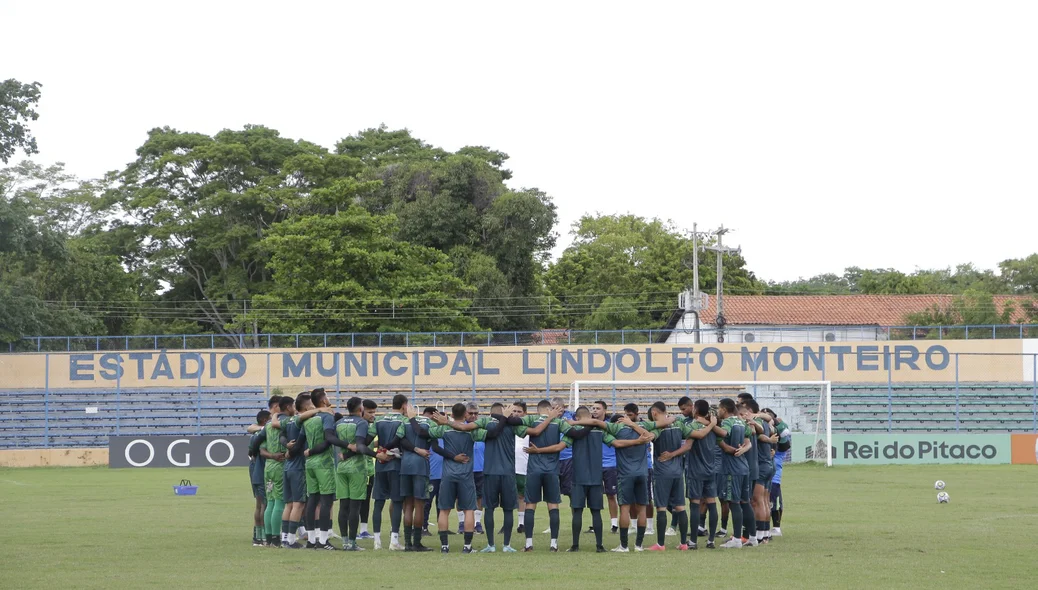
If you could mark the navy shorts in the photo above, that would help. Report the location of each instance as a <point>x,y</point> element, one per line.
<point>295,486</point>
<point>477,477</point>
<point>258,491</point>
<point>590,496</point>
<point>633,489</point>
<point>765,477</point>
<point>701,489</point>
<point>737,488</point>
<point>499,491</point>
<point>414,486</point>
<point>387,486</point>
<point>460,492</point>
<point>720,483</point>
<point>543,487</point>
<point>669,492</point>
<point>566,477</point>
<point>609,480</point>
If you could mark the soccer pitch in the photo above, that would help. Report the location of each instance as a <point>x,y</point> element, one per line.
<point>844,527</point>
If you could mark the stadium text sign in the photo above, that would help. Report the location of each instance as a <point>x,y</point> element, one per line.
<point>891,449</point>
<point>178,451</point>
<point>842,362</point>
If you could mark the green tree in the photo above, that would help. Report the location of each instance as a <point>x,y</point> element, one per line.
<point>624,271</point>
<point>17,108</point>
<point>346,272</point>
<point>202,205</point>
<point>1021,275</point>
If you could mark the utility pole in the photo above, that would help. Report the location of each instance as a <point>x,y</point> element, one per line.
<point>695,301</point>
<point>721,250</point>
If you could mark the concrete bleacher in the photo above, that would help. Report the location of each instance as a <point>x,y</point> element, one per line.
<point>80,418</point>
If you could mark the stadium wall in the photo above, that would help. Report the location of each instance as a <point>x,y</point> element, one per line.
<point>53,457</point>
<point>991,361</point>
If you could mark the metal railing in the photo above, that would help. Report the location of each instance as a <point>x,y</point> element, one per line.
<point>520,338</point>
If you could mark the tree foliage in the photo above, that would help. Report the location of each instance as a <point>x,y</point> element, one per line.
<point>17,108</point>
<point>625,271</point>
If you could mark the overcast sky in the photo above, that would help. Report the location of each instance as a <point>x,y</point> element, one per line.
<point>827,134</point>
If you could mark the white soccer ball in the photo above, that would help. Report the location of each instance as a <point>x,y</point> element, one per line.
<point>943,498</point>
<point>938,485</point>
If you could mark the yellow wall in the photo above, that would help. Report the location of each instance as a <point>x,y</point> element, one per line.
<point>849,362</point>
<point>53,457</point>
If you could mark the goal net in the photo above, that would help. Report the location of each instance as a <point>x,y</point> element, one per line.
<point>805,406</point>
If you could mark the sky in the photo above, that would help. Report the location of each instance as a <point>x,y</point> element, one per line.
<point>878,134</point>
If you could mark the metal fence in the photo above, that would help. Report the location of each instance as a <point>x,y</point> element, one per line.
<point>79,399</point>
<point>560,336</point>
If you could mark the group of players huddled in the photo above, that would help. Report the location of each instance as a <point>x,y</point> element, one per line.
<point>305,456</point>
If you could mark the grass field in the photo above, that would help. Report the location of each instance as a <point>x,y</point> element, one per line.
<point>850,527</point>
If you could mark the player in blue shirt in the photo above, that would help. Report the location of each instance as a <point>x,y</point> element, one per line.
<point>478,458</point>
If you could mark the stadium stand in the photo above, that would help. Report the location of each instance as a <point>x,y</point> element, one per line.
<point>71,418</point>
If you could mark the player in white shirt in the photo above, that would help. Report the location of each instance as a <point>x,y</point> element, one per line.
<point>521,459</point>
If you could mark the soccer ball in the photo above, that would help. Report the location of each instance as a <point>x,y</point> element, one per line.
<point>943,498</point>
<point>938,485</point>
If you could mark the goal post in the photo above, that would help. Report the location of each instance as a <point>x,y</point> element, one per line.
<point>805,406</point>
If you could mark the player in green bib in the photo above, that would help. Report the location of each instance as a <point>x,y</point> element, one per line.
<point>351,474</point>
<point>320,471</point>
<point>274,471</point>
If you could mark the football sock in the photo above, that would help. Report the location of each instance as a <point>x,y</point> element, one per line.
<point>640,537</point>
<point>528,523</point>
<point>711,511</point>
<point>344,519</point>
<point>376,516</point>
<point>257,533</point>
<point>614,521</point>
<point>364,526</point>
<point>750,522</point>
<point>577,525</point>
<point>275,517</point>
<point>596,523</point>
<point>553,523</point>
<point>396,514</point>
<point>661,528</point>
<point>268,517</point>
<point>468,540</point>
<point>736,521</point>
<point>683,525</point>
<point>509,524</point>
<point>408,533</point>
<point>479,516</point>
<point>674,520</point>
<point>394,538</point>
<point>443,539</point>
<point>529,542</point>
<point>354,519</point>
<point>624,532</point>
<point>489,529</point>
<point>417,533</point>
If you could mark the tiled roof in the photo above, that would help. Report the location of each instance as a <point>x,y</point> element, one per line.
<point>834,310</point>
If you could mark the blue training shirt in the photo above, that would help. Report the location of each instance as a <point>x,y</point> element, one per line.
<point>436,464</point>
<point>566,453</point>
<point>780,458</point>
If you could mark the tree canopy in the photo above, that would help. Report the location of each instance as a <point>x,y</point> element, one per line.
<point>247,232</point>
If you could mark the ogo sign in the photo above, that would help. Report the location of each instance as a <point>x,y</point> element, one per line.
<point>178,451</point>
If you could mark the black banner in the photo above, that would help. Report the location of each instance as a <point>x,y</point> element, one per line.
<point>178,451</point>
